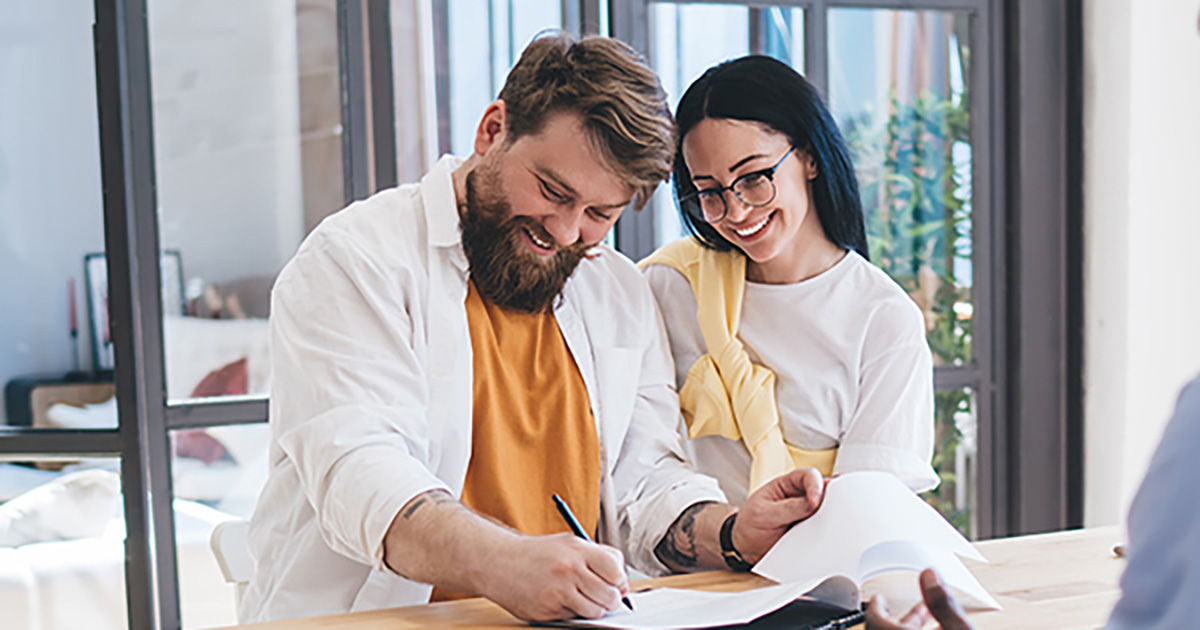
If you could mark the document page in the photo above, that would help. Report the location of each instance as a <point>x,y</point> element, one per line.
<point>870,522</point>
<point>679,608</point>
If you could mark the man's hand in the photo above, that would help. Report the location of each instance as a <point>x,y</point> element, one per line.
<point>937,604</point>
<point>437,540</point>
<point>557,577</point>
<point>774,508</point>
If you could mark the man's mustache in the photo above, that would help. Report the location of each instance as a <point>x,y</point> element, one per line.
<point>518,222</point>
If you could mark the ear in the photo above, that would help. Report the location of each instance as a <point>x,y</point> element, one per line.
<point>810,166</point>
<point>491,128</point>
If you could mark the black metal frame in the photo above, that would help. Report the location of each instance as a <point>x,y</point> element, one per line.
<point>1044,432</point>
<point>131,242</point>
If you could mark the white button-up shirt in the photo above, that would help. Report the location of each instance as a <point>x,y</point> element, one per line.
<point>371,401</point>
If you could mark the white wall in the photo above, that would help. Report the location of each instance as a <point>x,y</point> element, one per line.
<point>1142,235</point>
<point>50,203</point>
<point>227,134</point>
<point>227,147</point>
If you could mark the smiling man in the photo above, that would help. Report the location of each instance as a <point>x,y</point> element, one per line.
<point>447,355</point>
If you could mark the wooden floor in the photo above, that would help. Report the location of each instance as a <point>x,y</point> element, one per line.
<point>1063,581</point>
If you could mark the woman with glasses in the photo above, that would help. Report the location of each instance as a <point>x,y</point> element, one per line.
<point>791,349</point>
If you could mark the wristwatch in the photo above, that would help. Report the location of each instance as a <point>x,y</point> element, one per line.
<point>733,558</point>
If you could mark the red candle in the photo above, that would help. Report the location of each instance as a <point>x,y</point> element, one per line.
<point>71,305</point>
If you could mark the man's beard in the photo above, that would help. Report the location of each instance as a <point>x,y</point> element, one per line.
<point>504,270</point>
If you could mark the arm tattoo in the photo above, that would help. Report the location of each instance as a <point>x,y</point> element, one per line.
<point>678,547</point>
<point>433,497</point>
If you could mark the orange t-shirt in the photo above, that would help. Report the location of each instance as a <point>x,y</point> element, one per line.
<point>533,434</point>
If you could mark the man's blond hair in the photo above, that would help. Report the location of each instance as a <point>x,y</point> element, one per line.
<point>623,106</point>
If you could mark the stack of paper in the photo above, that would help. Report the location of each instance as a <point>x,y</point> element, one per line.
<point>868,523</point>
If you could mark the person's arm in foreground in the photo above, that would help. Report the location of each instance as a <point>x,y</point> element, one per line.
<point>937,604</point>
<point>437,540</point>
<point>693,541</point>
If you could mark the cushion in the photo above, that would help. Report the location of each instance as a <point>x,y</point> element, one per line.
<point>228,380</point>
<point>90,416</point>
<point>77,505</point>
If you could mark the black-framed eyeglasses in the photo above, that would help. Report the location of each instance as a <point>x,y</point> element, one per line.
<point>753,189</point>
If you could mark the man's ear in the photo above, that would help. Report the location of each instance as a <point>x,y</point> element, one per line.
<point>491,127</point>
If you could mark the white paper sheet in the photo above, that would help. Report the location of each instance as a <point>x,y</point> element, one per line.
<point>870,522</point>
<point>679,608</point>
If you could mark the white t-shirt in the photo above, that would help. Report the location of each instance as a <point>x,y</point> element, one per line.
<point>852,369</point>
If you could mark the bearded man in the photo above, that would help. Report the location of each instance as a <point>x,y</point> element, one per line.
<point>447,355</point>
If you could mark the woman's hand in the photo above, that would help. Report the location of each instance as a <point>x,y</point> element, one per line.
<point>774,508</point>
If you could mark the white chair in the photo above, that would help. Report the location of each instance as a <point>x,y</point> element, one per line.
<point>232,549</point>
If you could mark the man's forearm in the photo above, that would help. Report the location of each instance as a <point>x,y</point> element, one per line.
<point>693,542</point>
<point>437,540</point>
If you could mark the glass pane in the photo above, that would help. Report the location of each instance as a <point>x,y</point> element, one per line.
<point>783,35</point>
<point>955,458</point>
<point>687,39</point>
<point>218,473</point>
<point>62,560</point>
<point>486,39</point>
<point>247,135</point>
<point>900,90</point>
<point>55,350</point>
<point>414,83</point>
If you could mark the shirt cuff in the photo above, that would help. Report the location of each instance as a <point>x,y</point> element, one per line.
<point>915,472</point>
<point>655,517</point>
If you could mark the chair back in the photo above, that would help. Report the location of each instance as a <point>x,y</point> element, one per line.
<point>231,546</point>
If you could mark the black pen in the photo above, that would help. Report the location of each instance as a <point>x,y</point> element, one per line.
<point>577,529</point>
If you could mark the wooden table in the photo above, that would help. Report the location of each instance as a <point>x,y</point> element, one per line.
<point>1063,580</point>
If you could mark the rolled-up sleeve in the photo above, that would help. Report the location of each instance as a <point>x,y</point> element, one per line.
<point>348,395</point>
<point>654,480</point>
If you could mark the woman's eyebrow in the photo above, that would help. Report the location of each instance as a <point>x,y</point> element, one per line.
<point>753,156</point>
<point>746,159</point>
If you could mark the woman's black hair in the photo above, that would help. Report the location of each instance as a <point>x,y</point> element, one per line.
<point>765,90</point>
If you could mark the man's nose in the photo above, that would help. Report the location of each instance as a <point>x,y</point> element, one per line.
<point>564,226</point>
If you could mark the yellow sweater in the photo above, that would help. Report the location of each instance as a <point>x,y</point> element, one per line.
<point>725,394</point>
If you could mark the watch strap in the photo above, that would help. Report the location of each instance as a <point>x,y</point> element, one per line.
<point>733,558</point>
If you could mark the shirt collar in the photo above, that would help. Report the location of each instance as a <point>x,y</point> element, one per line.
<point>441,203</point>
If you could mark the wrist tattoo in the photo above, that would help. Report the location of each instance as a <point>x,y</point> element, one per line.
<point>678,547</point>
<point>433,497</point>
